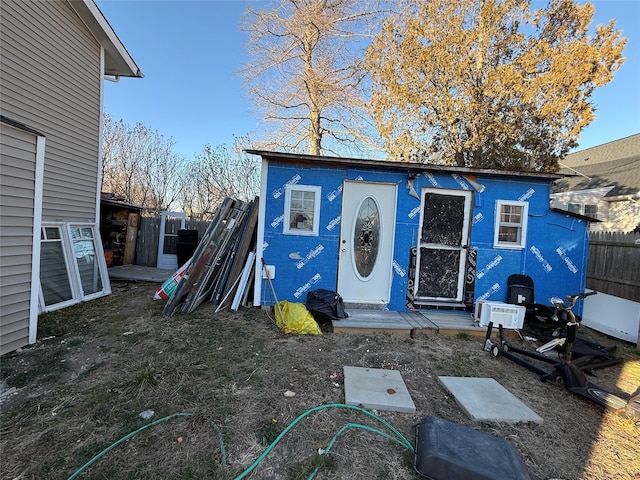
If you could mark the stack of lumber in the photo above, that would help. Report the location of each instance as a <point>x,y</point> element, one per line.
<point>222,259</point>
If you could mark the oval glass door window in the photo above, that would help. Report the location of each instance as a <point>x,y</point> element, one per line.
<point>366,237</point>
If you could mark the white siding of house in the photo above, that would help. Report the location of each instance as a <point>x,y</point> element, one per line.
<point>593,196</point>
<point>50,73</point>
<point>20,209</point>
<point>615,216</point>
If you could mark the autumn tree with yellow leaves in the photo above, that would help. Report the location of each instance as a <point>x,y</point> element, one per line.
<point>489,83</point>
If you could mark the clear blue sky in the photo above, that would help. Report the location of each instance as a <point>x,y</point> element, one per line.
<point>190,53</point>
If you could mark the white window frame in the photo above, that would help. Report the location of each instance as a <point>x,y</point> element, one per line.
<point>63,240</point>
<point>582,209</point>
<point>101,262</point>
<point>71,265</point>
<point>575,207</point>
<point>315,229</point>
<point>522,225</point>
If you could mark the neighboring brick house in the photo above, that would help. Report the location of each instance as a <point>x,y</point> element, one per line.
<point>605,185</point>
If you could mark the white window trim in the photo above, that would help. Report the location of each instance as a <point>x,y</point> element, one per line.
<point>70,276</point>
<point>72,267</point>
<point>523,225</point>
<point>102,263</point>
<point>582,208</point>
<point>287,230</point>
<point>579,205</point>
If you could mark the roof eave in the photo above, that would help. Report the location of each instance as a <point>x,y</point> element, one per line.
<point>575,215</point>
<point>117,62</point>
<point>385,164</point>
<point>622,198</point>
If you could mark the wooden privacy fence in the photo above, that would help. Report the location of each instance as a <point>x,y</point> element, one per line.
<point>614,264</point>
<point>149,235</point>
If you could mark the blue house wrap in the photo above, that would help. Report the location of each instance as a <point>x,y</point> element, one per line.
<point>404,236</point>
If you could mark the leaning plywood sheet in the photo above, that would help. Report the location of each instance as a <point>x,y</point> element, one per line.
<point>216,268</point>
<point>246,243</point>
<point>226,263</point>
<point>201,258</point>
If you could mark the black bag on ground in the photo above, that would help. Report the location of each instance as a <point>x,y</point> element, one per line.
<point>325,305</point>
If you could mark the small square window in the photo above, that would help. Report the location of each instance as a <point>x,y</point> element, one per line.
<point>591,211</point>
<point>575,208</point>
<point>302,210</point>
<point>511,224</point>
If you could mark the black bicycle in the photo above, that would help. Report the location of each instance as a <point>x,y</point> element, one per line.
<point>567,371</point>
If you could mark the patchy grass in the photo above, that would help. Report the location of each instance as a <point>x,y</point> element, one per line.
<point>97,366</point>
<point>46,365</point>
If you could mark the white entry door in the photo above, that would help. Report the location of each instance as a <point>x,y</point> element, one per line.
<point>366,242</point>
<point>170,223</point>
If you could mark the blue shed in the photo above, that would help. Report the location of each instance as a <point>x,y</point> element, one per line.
<point>406,236</point>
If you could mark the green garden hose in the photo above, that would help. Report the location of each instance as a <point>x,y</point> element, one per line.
<point>395,436</point>
<point>135,432</point>
<point>403,441</point>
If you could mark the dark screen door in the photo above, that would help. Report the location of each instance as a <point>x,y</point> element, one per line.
<point>444,239</point>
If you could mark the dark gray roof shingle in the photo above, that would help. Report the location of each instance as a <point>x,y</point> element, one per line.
<point>615,164</point>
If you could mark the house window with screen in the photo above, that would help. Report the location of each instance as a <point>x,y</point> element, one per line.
<point>302,210</point>
<point>575,208</point>
<point>591,211</point>
<point>511,224</point>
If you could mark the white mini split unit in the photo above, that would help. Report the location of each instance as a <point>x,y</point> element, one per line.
<point>505,314</point>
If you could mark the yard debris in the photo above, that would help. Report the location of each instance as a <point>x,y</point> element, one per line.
<point>6,391</point>
<point>147,414</point>
<point>293,317</point>
<point>289,394</point>
<point>170,284</point>
<point>218,261</point>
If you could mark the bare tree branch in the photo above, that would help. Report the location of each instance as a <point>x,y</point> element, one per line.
<point>139,164</point>
<point>307,60</point>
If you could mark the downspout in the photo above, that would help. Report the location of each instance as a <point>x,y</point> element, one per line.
<point>98,238</point>
<point>34,305</point>
<point>100,134</point>
<point>262,208</point>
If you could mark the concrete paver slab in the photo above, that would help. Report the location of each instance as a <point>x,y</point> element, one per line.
<point>484,399</point>
<point>378,389</point>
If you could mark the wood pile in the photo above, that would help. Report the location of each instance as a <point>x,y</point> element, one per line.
<point>222,263</point>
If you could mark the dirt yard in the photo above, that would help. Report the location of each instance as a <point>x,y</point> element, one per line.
<point>99,368</point>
